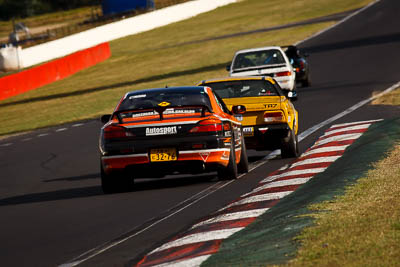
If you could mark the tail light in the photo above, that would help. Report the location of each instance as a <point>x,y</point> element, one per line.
<point>302,65</point>
<point>283,73</point>
<point>273,116</point>
<point>208,125</point>
<point>113,131</point>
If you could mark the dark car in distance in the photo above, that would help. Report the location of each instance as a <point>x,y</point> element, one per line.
<point>300,64</point>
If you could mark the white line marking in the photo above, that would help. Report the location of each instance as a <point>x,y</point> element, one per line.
<point>294,181</point>
<point>198,237</point>
<point>27,139</point>
<point>344,113</point>
<point>343,137</point>
<point>324,150</point>
<point>78,124</point>
<point>232,216</point>
<point>311,171</point>
<point>100,249</point>
<point>354,123</point>
<point>338,23</point>
<point>351,128</point>
<point>315,160</point>
<point>61,130</point>
<point>7,144</point>
<point>43,134</point>
<point>193,262</point>
<point>259,198</point>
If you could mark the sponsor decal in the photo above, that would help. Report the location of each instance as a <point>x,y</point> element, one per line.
<point>144,114</point>
<point>179,111</point>
<point>161,131</point>
<point>164,104</point>
<point>204,155</point>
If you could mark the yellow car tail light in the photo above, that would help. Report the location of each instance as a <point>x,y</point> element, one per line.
<point>276,116</point>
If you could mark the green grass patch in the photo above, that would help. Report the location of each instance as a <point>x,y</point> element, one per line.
<point>159,57</point>
<point>362,227</point>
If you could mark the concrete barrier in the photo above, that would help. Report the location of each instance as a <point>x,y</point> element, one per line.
<point>10,58</point>
<point>52,71</point>
<point>70,44</point>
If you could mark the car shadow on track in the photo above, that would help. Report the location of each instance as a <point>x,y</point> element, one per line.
<point>145,184</point>
<point>91,191</point>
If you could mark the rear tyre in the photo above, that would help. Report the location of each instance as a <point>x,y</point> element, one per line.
<point>243,166</point>
<point>115,182</point>
<point>290,146</point>
<point>229,172</point>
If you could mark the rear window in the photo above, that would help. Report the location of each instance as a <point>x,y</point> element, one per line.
<point>154,98</point>
<point>244,88</point>
<point>258,58</point>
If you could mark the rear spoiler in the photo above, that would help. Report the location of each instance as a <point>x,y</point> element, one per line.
<point>160,110</point>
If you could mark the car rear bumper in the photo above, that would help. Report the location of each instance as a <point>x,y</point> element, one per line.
<point>188,161</point>
<point>214,151</point>
<point>265,137</point>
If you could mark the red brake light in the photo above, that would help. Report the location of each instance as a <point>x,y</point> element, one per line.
<point>113,131</point>
<point>208,125</point>
<point>273,116</point>
<point>283,73</point>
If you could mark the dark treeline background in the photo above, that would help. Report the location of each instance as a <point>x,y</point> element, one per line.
<point>24,8</point>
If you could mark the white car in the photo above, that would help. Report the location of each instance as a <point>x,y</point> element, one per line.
<point>264,61</point>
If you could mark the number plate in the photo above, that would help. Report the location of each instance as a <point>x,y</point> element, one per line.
<point>248,131</point>
<point>163,154</point>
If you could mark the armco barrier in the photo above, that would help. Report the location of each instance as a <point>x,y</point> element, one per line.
<point>52,71</point>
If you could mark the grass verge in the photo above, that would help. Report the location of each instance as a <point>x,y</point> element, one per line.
<point>362,227</point>
<point>160,57</point>
<point>392,99</point>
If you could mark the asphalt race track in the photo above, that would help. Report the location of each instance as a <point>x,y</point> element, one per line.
<point>51,203</point>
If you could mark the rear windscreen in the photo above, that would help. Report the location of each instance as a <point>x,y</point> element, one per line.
<point>258,58</point>
<point>243,88</point>
<point>165,98</point>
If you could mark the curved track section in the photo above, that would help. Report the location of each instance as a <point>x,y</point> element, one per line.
<point>51,204</point>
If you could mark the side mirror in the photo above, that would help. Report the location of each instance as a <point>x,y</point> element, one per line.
<point>105,118</point>
<point>292,95</point>
<point>228,67</point>
<point>239,109</point>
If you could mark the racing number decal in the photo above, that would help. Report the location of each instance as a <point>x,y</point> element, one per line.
<point>270,105</point>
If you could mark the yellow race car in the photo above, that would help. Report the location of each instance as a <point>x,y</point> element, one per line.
<point>269,119</point>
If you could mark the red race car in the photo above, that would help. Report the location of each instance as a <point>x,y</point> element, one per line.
<point>156,132</point>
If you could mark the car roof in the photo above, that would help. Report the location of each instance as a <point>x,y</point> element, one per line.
<point>243,78</point>
<point>188,89</point>
<point>258,49</point>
